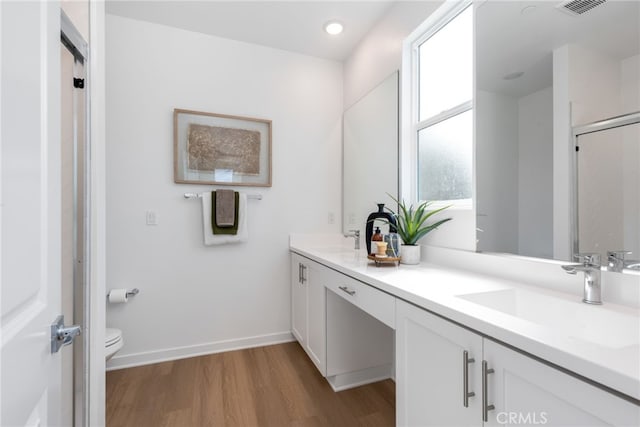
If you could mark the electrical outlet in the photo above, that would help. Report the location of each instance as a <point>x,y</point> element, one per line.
<point>331,218</point>
<point>152,218</point>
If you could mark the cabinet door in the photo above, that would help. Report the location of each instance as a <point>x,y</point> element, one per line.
<point>430,379</point>
<point>298,299</point>
<point>316,315</point>
<point>527,392</point>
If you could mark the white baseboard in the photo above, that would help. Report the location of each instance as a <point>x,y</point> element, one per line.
<point>164,355</point>
<point>357,378</point>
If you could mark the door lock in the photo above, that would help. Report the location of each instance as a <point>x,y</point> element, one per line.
<point>62,335</point>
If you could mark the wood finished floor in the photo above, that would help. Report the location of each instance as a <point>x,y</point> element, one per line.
<point>266,386</point>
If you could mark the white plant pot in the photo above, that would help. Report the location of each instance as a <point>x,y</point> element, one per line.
<point>410,254</point>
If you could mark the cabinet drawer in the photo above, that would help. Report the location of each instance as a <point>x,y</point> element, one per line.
<point>378,304</point>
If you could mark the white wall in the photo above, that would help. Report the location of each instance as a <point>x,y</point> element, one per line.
<point>497,172</point>
<point>380,52</point>
<point>630,84</point>
<point>594,85</point>
<point>196,299</point>
<point>514,170</point>
<point>535,174</point>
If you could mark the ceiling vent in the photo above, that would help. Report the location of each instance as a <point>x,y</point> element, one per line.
<point>578,7</point>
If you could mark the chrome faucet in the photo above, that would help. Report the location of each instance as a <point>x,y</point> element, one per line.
<point>591,268</point>
<point>616,260</point>
<point>356,235</point>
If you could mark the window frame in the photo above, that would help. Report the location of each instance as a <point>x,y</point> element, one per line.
<point>410,108</point>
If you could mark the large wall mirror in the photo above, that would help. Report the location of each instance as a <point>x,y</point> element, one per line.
<point>541,72</point>
<point>370,154</point>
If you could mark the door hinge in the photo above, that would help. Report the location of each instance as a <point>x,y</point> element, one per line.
<point>78,83</point>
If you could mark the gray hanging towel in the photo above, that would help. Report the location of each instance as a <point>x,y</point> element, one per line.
<point>225,208</point>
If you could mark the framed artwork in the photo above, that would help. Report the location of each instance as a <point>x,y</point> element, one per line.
<point>220,149</point>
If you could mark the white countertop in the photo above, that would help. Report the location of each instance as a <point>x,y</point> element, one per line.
<point>615,364</point>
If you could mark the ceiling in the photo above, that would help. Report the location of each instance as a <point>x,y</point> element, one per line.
<point>295,26</point>
<point>510,39</point>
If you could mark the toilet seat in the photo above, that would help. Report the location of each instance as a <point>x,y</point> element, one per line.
<point>112,336</point>
<point>113,342</point>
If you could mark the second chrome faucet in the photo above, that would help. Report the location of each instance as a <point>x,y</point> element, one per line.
<point>590,266</point>
<point>356,235</point>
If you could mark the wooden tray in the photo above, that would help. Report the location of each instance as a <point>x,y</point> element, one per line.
<point>381,261</point>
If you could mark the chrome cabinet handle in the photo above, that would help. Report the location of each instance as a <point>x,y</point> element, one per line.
<point>347,290</point>
<point>485,389</point>
<point>304,269</point>
<point>466,394</point>
<point>299,273</point>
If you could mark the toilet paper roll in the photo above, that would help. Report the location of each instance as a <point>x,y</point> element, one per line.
<point>118,296</point>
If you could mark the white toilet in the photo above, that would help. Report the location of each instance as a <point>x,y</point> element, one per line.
<point>113,342</point>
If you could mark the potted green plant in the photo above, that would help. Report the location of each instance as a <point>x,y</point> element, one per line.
<point>412,226</point>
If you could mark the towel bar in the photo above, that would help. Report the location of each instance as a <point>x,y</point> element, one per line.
<point>199,196</point>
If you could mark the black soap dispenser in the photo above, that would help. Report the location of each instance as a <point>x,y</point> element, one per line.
<point>376,215</point>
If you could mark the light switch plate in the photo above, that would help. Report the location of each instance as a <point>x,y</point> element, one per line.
<point>152,218</point>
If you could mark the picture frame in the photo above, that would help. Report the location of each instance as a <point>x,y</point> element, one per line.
<point>221,149</point>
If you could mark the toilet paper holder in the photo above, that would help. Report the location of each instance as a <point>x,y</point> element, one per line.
<point>130,293</point>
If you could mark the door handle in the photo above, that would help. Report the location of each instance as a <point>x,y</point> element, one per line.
<point>486,407</point>
<point>62,335</point>
<point>466,394</point>
<point>347,290</point>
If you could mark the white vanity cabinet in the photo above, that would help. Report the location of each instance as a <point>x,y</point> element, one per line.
<point>345,326</point>
<point>308,321</point>
<point>433,375</point>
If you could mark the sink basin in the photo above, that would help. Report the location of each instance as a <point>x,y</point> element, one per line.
<point>633,266</point>
<point>601,325</point>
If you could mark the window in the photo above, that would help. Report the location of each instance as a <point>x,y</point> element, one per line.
<point>444,159</point>
<point>441,116</point>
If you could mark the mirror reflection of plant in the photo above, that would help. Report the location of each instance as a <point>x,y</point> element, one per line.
<point>411,223</point>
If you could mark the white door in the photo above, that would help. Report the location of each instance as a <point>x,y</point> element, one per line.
<point>527,392</point>
<point>431,376</point>
<point>316,318</point>
<point>29,212</point>
<point>299,299</point>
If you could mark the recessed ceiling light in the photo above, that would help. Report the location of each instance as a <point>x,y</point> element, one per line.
<point>528,9</point>
<point>513,76</point>
<point>333,27</point>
